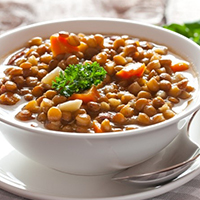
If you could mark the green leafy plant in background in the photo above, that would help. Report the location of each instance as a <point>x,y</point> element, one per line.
<point>190,30</point>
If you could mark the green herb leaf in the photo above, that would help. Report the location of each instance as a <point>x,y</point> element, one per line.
<point>190,30</point>
<point>77,78</point>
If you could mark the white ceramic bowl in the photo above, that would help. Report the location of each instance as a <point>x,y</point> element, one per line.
<point>93,154</point>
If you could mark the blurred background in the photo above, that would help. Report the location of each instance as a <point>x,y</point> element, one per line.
<point>14,13</point>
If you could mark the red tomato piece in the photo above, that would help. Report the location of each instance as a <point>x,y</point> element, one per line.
<point>60,45</point>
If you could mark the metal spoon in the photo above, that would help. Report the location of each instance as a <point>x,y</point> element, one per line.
<point>168,164</point>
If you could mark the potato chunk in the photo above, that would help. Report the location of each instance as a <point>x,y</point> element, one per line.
<point>51,76</point>
<point>70,106</point>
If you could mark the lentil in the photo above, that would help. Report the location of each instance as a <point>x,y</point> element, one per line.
<point>24,115</point>
<point>10,86</point>
<point>54,114</point>
<point>120,103</point>
<point>105,125</point>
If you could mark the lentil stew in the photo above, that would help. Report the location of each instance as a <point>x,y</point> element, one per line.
<point>143,83</point>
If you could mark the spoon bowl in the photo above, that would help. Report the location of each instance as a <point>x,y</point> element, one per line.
<point>165,166</point>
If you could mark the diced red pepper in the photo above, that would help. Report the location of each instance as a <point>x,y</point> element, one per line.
<point>97,126</point>
<point>60,45</point>
<point>132,69</point>
<point>180,66</point>
<point>91,95</point>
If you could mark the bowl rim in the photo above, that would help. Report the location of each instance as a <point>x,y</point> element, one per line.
<point>143,130</point>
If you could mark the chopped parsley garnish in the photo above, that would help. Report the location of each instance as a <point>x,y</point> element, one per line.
<point>77,78</point>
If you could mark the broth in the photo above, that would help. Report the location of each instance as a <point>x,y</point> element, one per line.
<point>143,83</point>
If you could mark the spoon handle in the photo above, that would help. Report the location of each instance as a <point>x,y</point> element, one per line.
<point>160,176</point>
